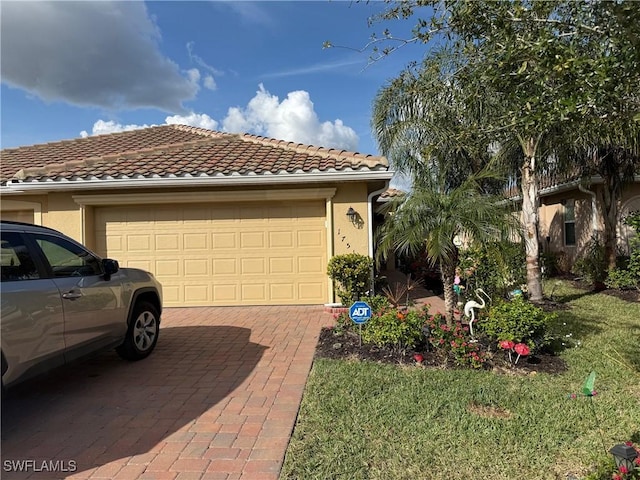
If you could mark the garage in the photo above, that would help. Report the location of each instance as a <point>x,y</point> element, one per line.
<point>223,253</point>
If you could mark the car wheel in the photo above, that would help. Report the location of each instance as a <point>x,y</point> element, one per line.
<point>142,334</point>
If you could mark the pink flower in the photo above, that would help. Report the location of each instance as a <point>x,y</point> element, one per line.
<point>506,344</point>
<point>615,476</point>
<point>623,469</point>
<point>629,444</point>
<point>418,358</point>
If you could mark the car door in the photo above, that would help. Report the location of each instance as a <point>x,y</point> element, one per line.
<point>32,320</point>
<point>94,311</point>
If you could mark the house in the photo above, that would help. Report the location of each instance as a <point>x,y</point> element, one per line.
<point>570,213</point>
<point>220,219</point>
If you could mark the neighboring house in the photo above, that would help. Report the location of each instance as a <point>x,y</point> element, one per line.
<point>567,220</point>
<point>220,219</point>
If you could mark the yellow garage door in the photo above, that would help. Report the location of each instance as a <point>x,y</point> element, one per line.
<point>17,215</point>
<point>222,254</point>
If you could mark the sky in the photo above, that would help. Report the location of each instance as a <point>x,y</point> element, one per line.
<point>74,69</point>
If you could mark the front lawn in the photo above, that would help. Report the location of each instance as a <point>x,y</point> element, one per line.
<point>365,420</point>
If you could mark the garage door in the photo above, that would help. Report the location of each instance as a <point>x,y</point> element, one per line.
<point>18,215</point>
<point>221,254</point>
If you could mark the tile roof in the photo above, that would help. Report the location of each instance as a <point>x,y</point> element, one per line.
<point>173,151</point>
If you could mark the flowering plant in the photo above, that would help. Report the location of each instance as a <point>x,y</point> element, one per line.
<point>608,470</point>
<point>453,342</point>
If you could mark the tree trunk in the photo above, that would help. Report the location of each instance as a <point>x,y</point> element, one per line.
<point>610,217</point>
<point>530,219</point>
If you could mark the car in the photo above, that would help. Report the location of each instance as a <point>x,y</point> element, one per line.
<point>61,302</point>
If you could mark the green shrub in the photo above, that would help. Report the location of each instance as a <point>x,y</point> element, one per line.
<point>518,321</point>
<point>454,343</point>
<point>628,276</point>
<point>352,272</point>
<point>549,264</point>
<point>496,267</point>
<point>394,328</point>
<point>592,266</point>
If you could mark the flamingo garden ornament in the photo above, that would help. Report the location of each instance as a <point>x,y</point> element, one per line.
<point>471,304</point>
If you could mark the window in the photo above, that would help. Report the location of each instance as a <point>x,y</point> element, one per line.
<point>16,263</point>
<point>570,222</point>
<point>68,259</point>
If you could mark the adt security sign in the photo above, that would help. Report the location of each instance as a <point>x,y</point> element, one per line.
<point>360,312</point>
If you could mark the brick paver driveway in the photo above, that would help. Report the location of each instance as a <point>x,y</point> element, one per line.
<point>216,400</point>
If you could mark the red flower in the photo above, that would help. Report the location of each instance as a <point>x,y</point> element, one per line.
<point>615,476</point>
<point>506,344</point>
<point>629,444</point>
<point>418,358</point>
<point>521,349</point>
<point>623,469</point>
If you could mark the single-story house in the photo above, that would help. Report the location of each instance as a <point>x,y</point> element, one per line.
<point>219,218</point>
<point>567,220</point>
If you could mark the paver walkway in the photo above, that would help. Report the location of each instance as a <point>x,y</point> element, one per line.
<point>218,399</point>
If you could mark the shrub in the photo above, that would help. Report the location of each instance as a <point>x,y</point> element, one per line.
<point>549,264</point>
<point>628,276</point>
<point>352,272</point>
<point>496,267</point>
<point>593,263</point>
<point>398,329</point>
<point>518,321</point>
<point>453,342</point>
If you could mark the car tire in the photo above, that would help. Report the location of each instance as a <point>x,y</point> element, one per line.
<point>142,334</point>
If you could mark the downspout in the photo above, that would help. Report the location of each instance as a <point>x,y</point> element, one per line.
<point>370,222</point>
<point>594,208</point>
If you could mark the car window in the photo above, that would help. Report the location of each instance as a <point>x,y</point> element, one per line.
<point>16,262</point>
<point>66,258</point>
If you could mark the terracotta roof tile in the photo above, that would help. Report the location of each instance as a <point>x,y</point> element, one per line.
<point>175,150</point>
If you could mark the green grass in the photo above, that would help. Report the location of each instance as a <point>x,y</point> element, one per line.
<point>361,420</point>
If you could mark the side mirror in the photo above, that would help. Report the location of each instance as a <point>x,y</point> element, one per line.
<point>110,267</point>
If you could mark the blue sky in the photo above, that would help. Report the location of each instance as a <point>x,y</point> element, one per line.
<point>77,69</point>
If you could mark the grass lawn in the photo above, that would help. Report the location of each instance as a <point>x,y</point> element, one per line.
<point>362,420</point>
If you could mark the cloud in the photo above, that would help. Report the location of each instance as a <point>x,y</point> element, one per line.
<point>209,80</point>
<point>103,54</point>
<point>294,119</point>
<point>201,120</point>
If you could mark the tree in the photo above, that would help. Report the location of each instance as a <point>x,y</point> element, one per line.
<point>434,214</point>
<point>550,67</point>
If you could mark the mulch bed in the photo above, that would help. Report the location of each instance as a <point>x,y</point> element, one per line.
<point>346,346</point>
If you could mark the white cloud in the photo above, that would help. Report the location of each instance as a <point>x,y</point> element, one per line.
<point>294,119</point>
<point>201,120</point>
<point>102,54</point>
<point>209,82</point>
<point>102,127</point>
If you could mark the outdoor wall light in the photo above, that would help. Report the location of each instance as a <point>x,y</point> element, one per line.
<point>624,455</point>
<point>352,214</point>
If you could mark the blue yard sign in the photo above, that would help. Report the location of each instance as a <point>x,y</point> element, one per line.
<point>360,312</point>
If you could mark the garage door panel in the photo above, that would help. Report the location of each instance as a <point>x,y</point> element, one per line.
<point>310,238</point>
<point>227,266</point>
<point>195,241</point>
<point>252,240</point>
<point>253,292</point>
<point>225,294</point>
<point>218,254</point>
<point>167,242</point>
<point>224,240</point>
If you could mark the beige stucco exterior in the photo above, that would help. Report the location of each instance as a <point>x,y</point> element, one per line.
<point>81,214</point>
<point>552,219</point>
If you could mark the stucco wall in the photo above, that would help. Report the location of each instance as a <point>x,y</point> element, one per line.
<point>60,211</point>
<point>552,219</point>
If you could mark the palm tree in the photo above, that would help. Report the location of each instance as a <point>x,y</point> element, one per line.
<point>433,215</point>
<point>431,131</point>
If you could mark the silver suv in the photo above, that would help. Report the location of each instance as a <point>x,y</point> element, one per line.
<point>59,302</point>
